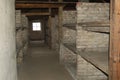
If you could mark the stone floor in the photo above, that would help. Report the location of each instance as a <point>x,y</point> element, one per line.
<point>41,63</point>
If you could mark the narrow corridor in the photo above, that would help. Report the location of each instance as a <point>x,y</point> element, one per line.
<point>41,63</point>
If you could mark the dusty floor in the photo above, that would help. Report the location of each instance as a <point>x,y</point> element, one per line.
<point>41,63</point>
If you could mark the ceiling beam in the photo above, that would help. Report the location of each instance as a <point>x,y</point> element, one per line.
<point>38,5</point>
<point>41,2</point>
<point>37,14</point>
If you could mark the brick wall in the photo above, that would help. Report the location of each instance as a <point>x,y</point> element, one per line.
<point>69,35</point>
<point>86,39</point>
<point>91,12</point>
<point>88,12</point>
<point>86,71</point>
<point>21,35</point>
<point>54,33</point>
<point>18,18</point>
<point>24,21</point>
<point>69,17</point>
<point>67,56</point>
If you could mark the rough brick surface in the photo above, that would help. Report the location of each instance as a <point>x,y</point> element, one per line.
<point>69,17</point>
<point>18,18</point>
<point>19,39</point>
<point>69,35</point>
<point>91,12</point>
<point>86,39</point>
<point>67,56</point>
<point>24,21</point>
<point>21,35</point>
<point>86,71</point>
<point>88,12</point>
<point>25,36</point>
<point>54,33</point>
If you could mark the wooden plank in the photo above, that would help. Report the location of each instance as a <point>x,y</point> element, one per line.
<point>98,29</point>
<point>95,24</point>
<point>115,41</point>
<point>102,27</point>
<point>70,26</point>
<point>38,5</point>
<point>37,13</point>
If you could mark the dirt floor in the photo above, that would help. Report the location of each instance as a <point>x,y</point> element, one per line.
<point>42,63</point>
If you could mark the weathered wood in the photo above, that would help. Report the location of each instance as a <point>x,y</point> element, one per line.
<point>38,5</point>
<point>46,2</point>
<point>37,13</point>
<point>102,27</point>
<point>97,29</point>
<point>70,26</point>
<point>60,21</point>
<point>50,35</point>
<point>95,24</point>
<point>115,41</point>
<point>97,58</point>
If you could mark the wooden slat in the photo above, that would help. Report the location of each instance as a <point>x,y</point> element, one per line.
<point>98,29</point>
<point>70,26</point>
<point>115,41</point>
<point>95,24</point>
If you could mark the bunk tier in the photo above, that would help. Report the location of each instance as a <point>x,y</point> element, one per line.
<point>71,65</point>
<point>97,57</point>
<point>69,48</point>
<point>101,27</point>
<point>70,26</point>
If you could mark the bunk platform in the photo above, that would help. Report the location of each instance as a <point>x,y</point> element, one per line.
<point>101,27</point>
<point>97,58</point>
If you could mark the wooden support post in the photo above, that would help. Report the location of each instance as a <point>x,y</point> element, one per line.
<point>115,41</point>
<point>60,16</point>
<point>50,25</point>
<point>50,43</point>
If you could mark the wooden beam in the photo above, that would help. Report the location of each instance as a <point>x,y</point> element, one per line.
<point>37,14</point>
<point>38,5</point>
<point>41,2</point>
<point>115,41</point>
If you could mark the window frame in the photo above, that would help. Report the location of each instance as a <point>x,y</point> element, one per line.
<point>38,26</point>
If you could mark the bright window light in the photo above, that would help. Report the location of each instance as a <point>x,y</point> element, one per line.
<point>36,26</point>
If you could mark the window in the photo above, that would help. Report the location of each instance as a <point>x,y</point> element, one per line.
<point>36,26</point>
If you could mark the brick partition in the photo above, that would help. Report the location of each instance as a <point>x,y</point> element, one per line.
<point>54,33</point>
<point>21,35</point>
<point>18,18</point>
<point>86,71</point>
<point>69,17</point>
<point>86,40</point>
<point>69,35</point>
<point>91,12</point>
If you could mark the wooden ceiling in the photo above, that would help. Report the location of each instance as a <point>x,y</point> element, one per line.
<point>41,7</point>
